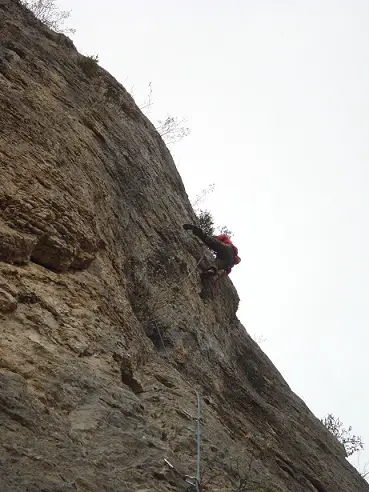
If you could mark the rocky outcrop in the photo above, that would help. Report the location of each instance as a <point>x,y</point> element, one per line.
<point>107,332</point>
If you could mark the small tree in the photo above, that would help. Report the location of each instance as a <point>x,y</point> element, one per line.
<point>205,217</point>
<point>90,65</point>
<point>172,130</point>
<point>206,222</point>
<point>259,339</point>
<point>50,14</point>
<point>351,442</point>
<point>146,106</point>
<point>364,472</point>
<point>202,195</point>
<point>226,231</point>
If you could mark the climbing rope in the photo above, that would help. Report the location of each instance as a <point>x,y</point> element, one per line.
<point>193,481</point>
<point>198,439</point>
<point>194,268</point>
<point>163,294</point>
<point>162,340</point>
<point>196,481</point>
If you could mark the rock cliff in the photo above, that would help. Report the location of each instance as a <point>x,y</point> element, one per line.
<point>107,332</point>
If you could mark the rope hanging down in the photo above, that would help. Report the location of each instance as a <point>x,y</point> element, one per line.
<point>183,279</point>
<point>198,459</point>
<point>161,298</point>
<point>194,481</point>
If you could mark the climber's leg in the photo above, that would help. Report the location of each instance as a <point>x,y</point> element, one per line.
<point>223,263</point>
<point>211,242</point>
<point>224,252</point>
<point>218,266</point>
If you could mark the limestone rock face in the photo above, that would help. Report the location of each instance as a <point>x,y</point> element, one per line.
<point>107,331</point>
<point>7,302</point>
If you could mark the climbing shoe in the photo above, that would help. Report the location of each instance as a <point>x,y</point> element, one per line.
<point>210,272</point>
<point>196,230</point>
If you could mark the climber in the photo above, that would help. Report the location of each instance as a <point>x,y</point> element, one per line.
<point>226,252</point>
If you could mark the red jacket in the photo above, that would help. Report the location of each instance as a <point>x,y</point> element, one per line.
<point>226,240</point>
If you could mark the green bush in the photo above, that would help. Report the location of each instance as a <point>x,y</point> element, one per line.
<point>206,222</point>
<point>205,217</point>
<point>90,65</point>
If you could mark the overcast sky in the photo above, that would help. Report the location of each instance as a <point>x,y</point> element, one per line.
<point>277,100</point>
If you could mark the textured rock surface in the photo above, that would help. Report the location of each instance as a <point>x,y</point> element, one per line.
<point>93,262</point>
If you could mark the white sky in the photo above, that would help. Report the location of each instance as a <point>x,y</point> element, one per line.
<point>276,96</point>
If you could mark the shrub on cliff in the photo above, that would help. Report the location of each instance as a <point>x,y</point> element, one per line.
<point>50,14</point>
<point>205,217</point>
<point>206,222</point>
<point>90,65</point>
<point>351,443</point>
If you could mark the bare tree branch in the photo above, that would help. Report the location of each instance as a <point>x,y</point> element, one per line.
<point>50,14</point>
<point>172,130</point>
<point>351,442</point>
